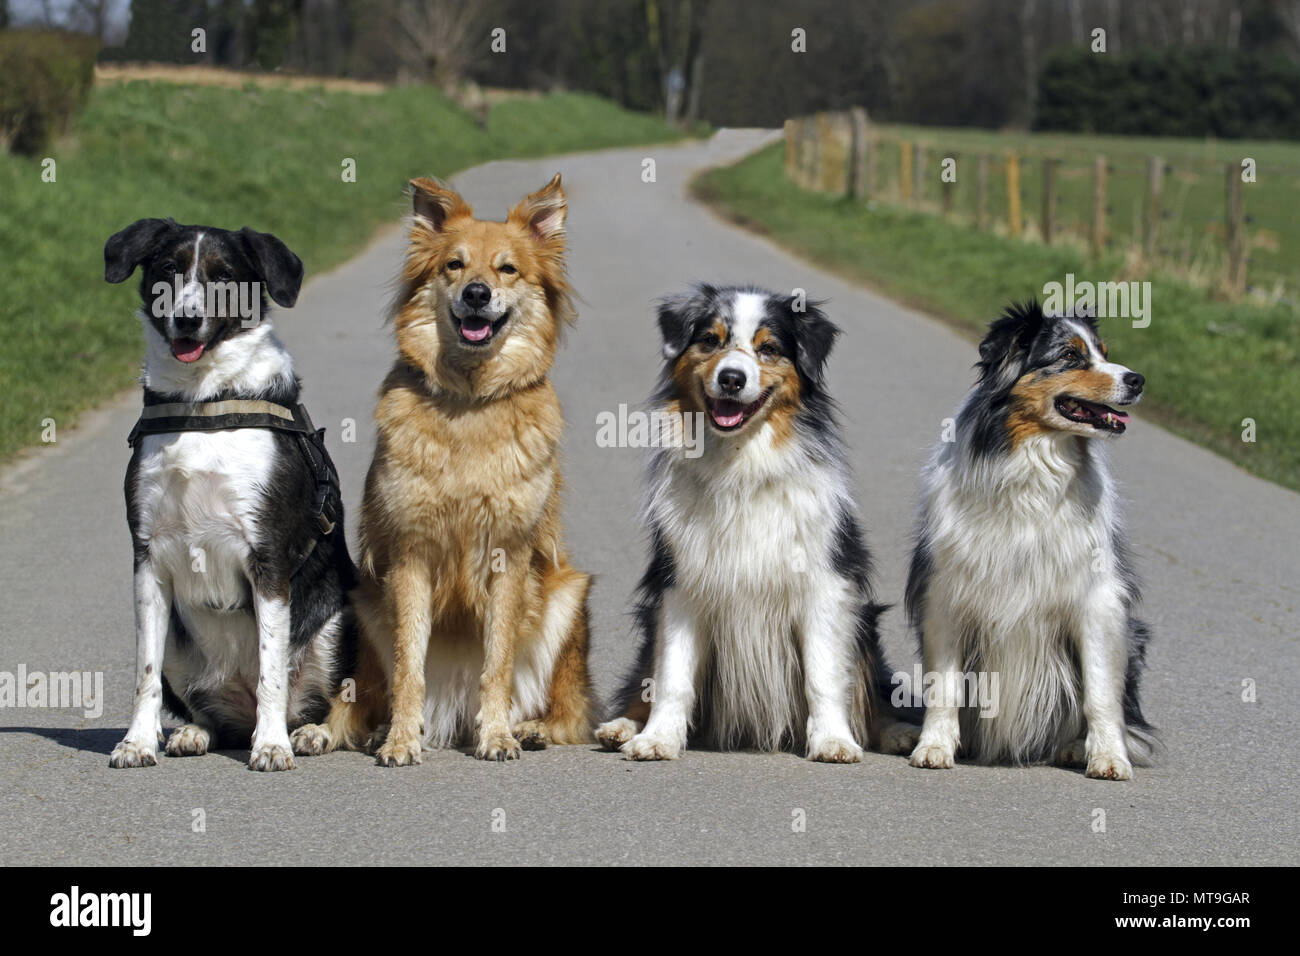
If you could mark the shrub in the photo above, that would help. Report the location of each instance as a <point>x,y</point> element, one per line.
<point>45,77</point>
<point>1170,92</point>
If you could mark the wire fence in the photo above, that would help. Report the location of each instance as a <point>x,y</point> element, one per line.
<point>1186,216</point>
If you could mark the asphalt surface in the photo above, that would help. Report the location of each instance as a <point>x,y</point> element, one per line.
<point>1217,548</point>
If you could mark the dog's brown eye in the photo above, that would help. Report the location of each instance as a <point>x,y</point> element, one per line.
<point>1073,356</point>
<point>168,268</point>
<point>768,349</point>
<point>454,264</point>
<point>710,341</point>
<point>507,269</point>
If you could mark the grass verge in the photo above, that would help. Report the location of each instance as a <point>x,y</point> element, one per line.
<point>270,158</point>
<point>1209,364</point>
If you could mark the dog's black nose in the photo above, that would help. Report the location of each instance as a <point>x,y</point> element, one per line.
<point>186,325</point>
<point>1134,381</point>
<point>731,379</point>
<point>476,295</point>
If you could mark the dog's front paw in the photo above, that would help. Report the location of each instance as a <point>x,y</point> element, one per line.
<point>270,757</point>
<point>400,749</point>
<point>1109,767</point>
<point>131,754</point>
<point>311,740</point>
<point>932,757</point>
<point>651,747</point>
<point>615,733</point>
<point>831,749</point>
<point>498,746</point>
<point>532,734</point>
<point>191,740</point>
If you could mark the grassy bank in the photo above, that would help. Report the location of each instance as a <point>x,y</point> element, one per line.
<point>1210,364</point>
<point>1193,199</point>
<point>263,157</point>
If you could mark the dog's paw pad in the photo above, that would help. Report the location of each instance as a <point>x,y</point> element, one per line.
<point>834,750</point>
<point>1109,767</point>
<point>399,750</point>
<point>499,747</point>
<point>190,740</point>
<point>615,733</point>
<point>267,758</point>
<point>932,757</point>
<point>648,747</point>
<point>311,740</point>
<point>128,754</point>
<point>532,735</point>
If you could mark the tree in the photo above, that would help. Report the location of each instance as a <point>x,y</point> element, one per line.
<point>438,39</point>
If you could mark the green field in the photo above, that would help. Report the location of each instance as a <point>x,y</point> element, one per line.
<point>1193,198</point>
<point>263,157</point>
<point>1210,364</point>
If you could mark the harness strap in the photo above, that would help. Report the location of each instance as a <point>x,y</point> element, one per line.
<point>159,418</point>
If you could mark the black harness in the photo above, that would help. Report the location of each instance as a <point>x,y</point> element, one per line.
<point>161,416</point>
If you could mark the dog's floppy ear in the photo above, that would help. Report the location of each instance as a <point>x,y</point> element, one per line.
<point>128,248</point>
<point>433,202</point>
<point>815,334</point>
<point>280,269</point>
<point>543,213</point>
<point>1009,337</point>
<point>678,317</point>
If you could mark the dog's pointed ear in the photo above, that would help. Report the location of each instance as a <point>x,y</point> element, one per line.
<point>815,335</point>
<point>128,248</point>
<point>280,269</point>
<point>543,213</point>
<point>1009,338</point>
<point>434,202</point>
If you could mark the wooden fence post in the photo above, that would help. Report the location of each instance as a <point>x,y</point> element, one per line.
<point>1049,199</point>
<point>981,191</point>
<point>822,125</point>
<point>869,169</point>
<point>1013,195</point>
<point>789,148</point>
<point>918,175</point>
<point>1098,205</point>
<point>1151,224</point>
<point>948,188</point>
<point>858,154</point>
<point>905,170</point>
<point>1236,232</point>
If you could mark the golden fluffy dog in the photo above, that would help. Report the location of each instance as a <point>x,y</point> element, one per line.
<point>471,613</point>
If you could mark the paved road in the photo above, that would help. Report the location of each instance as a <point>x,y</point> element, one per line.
<point>1217,547</point>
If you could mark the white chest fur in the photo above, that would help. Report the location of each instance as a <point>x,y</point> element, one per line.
<point>198,497</point>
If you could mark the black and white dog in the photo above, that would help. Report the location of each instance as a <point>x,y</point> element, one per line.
<point>241,569</point>
<point>758,626</point>
<point>1021,568</point>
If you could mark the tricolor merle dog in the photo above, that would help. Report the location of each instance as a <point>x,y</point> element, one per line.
<point>243,627</point>
<point>756,613</point>
<point>1021,567</point>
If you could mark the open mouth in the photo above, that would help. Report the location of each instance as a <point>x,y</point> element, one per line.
<point>1101,417</point>
<point>187,350</point>
<point>728,415</point>
<point>479,329</point>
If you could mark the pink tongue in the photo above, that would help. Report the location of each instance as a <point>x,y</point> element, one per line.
<point>477,334</point>
<point>187,350</point>
<point>729,421</point>
<point>1121,416</point>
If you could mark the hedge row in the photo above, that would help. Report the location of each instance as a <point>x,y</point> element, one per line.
<point>1171,92</point>
<point>45,77</point>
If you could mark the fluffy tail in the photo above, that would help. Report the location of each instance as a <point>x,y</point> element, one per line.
<point>1144,744</point>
